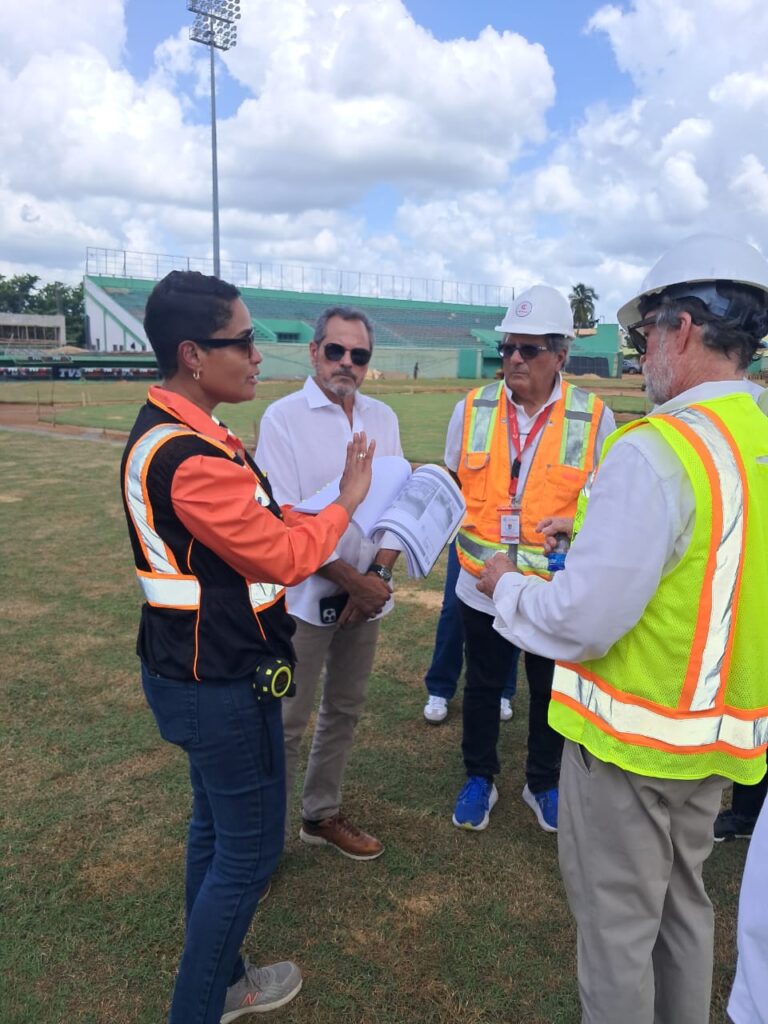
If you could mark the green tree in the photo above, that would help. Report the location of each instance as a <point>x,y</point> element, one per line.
<point>16,293</point>
<point>582,300</point>
<point>59,298</point>
<point>23,294</point>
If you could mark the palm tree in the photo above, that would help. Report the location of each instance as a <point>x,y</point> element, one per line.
<point>582,300</point>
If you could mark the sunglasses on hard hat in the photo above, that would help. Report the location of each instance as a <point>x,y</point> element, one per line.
<point>637,339</point>
<point>526,352</point>
<point>246,343</point>
<point>334,353</point>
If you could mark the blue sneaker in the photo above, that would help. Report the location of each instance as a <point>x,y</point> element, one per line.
<point>544,806</point>
<point>475,803</point>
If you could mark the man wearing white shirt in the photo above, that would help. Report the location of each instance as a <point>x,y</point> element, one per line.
<point>657,625</point>
<point>521,450</point>
<point>748,1003</point>
<point>302,444</point>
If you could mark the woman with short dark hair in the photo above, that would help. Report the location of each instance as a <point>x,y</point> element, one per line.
<point>213,555</point>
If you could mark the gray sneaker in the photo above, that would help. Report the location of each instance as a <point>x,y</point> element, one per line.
<point>261,989</point>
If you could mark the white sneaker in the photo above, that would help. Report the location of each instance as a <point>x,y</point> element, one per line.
<point>436,710</point>
<point>506,711</point>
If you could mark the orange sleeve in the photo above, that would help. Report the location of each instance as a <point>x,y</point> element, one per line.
<point>215,500</point>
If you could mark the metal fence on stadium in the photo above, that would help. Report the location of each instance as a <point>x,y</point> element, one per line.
<point>287,277</point>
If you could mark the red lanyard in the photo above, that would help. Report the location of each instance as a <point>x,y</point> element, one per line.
<point>514,437</point>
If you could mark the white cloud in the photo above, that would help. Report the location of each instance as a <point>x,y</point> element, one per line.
<point>744,89</point>
<point>51,27</point>
<point>341,99</point>
<point>751,182</point>
<point>554,190</point>
<point>358,94</point>
<point>30,226</point>
<point>683,192</point>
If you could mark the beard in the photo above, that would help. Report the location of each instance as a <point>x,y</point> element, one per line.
<point>341,386</point>
<point>659,377</point>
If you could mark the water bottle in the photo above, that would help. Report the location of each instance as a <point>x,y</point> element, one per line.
<point>556,557</point>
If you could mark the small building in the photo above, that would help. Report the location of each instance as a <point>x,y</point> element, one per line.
<point>32,331</point>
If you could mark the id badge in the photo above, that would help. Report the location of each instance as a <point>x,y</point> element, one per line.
<point>509,525</point>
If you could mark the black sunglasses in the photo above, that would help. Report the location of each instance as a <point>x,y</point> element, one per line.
<point>246,342</point>
<point>527,352</point>
<point>637,339</point>
<point>334,352</point>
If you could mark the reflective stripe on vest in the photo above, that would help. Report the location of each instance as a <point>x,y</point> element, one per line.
<point>533,559</point>
<point>579,406</point>
<point>716,605</point>
<point>657,727</point>
<point>164,586</point>
<point>706,672</point>
<point>575,418</point>
<point>262,595</point>
<point>485,411</point>
<point>157,554</point>
<point>477,550</point>
<point>181,592</point>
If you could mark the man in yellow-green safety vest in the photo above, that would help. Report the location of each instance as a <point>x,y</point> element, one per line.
<point>657,626</point>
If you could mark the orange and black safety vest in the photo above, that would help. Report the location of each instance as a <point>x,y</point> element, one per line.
<point>202,620</point>
<point>564,458</point>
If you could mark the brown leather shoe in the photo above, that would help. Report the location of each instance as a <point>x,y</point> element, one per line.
<point>339,831</point>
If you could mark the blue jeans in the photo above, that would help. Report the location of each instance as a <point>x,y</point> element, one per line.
<point>237,768</point>
<point>443,674</point>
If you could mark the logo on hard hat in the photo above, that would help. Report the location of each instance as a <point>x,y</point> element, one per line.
<point>523,308</point>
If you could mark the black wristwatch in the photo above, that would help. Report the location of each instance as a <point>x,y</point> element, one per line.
<point>381,571</point>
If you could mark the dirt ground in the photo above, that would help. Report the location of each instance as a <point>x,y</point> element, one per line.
<point>19,416</point>
<point>25,416</point>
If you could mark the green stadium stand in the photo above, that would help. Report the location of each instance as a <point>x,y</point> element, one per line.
<point>281,318</point>
<point>396,322</point>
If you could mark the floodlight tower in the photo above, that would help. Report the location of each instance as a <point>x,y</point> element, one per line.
<point>215,28</point>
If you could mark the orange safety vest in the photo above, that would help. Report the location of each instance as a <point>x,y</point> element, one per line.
<point>564,457</point>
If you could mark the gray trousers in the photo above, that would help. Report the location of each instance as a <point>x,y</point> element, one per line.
<point>346,653</point>
<point>631,854</point>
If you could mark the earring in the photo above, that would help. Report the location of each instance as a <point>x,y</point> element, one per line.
<point>196,375</point>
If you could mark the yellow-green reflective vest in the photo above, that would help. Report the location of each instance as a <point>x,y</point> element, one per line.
<point>684,694</point>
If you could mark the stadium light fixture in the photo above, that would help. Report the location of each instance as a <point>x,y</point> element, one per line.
<point>215,27</point>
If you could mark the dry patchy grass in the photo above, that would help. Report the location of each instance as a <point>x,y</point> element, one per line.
<point>447,926</point>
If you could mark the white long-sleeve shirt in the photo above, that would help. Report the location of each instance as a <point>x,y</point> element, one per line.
<point>639,524</point>
<point>466,590</point>
<point>303,446</point>
<point>749,998</point>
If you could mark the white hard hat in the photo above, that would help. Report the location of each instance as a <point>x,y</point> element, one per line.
<point>700,261</point>
<point>539,310</point>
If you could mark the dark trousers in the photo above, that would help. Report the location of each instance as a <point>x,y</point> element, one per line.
<point>488,657</point>
<point>443,673</point>
<point>748,800</point>
<point>237,770</point>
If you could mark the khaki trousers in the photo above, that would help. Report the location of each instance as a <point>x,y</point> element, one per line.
<point>631,854</point>
<point>346,653</point>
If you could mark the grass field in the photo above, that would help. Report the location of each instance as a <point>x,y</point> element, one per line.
<point>446,927</point>
<point>423,408</point>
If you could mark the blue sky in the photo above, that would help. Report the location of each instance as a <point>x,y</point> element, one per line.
<point>507,143</point>
<point>585,69</point>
